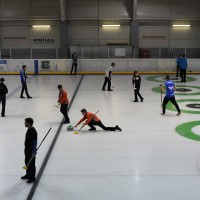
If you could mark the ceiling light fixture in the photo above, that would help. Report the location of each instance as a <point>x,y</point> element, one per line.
<point>41,26</point>
<point>109,25</point>
<point>181,25</point>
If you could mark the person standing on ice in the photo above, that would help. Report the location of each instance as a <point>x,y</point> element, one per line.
<point>178,63</point>
<point>74,63</point>
<point>183,68</point>
<point>108,76</point>
<point>63,102</point>
<point>3,92</point>
<point>136,80</point>
<point>24,77</point>
<point>30,149</point>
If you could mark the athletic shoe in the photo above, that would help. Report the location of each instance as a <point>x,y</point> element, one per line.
<point>29,97</point>
<point>118,128</point>
<point>103,89</point>
<point>142,99</point>
<point>92,129</point>
<point>3,115</point>
<point>110,90</point>
<point>22,97</point>
<point>66,122</point>
<point>179,113</point>
<point>30,181</point>
<point>24,177</point>
<point>135,101</point>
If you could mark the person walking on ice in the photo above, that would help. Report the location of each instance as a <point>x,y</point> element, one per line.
<point>92,120</point>
<point>169,87</point>
<point>108,76</point>
<point>136,85</point>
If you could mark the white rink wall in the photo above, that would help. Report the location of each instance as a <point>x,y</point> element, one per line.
<point>97,65</point>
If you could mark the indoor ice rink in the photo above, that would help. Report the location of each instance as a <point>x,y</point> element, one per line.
<point>155,156</point>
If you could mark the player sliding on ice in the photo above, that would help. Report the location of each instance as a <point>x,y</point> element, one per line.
<point>169,86</point>
<point>92,120</point>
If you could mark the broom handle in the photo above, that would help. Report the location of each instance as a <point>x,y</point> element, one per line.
<point>161,92</point>
<point>19,68</point>
<point>43,139</point>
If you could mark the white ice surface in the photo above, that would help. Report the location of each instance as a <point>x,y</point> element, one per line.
<point>147,161</point>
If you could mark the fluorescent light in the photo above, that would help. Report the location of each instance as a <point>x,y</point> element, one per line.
<point>111,25</point>
<point>181,25</point>
<point>41,26</point>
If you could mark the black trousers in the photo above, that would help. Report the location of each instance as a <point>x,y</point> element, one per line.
<point>3,100</point>
<point>173,100</point>
<point>99,123</point>
<point>183,75</point>
<point>74,68</point>
<point>63,110</point>
<point>137,93</point>
<point>107,80</point>
<point>31,171</point>
<point>24,88</point>
<point>177,70</point>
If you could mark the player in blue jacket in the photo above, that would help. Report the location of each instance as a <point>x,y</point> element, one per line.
<point>169,86</point>
<point>23,77</point>
<point>183,68</point>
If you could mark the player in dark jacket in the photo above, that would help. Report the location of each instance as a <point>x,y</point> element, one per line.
<point>74,63</point>
<point>178,63</point>
<point>3,92</point>
<point>30,149</point>
<point>136,80</point>
<point>23,77</point>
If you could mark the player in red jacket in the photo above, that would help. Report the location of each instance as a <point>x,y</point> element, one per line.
<point>63,102</point>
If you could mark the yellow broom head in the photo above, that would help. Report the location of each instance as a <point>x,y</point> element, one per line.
<point>25,167</point>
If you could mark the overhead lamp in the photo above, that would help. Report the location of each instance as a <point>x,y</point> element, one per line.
<point>41,26</point>
<point>110,25</point>
<point>181,25</point>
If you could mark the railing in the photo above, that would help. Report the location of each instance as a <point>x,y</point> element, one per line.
<point>99,52</point>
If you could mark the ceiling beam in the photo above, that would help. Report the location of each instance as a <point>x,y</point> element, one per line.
<point>63,10</point>
<point>135,2</point>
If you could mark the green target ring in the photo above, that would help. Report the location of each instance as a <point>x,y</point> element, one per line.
<point>157,90</point>
<point>185,130</point>
<point>171,107</point>
<point>154,78</point>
